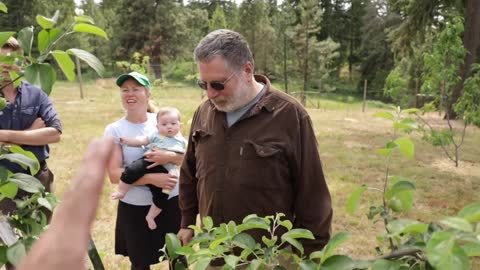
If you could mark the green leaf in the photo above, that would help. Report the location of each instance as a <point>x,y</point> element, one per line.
<point>3,103</point>
<point>385,115</point>
<point>232,261</point>
<point>334,242</point>
<point>16,252</point>
<point>41,75</point>
<point>65,63</point>
<point>458,223</point>
<point>386,152</point>
<point>383,264</point>
<point>400,226</point>
<point>3,255</point>
<point>406,123</point>
<point>84,19</point>
<point>202,264</point>
<point>400,195</point>
<point>244,241</point>
<point>4,174</point>
<point>299,233</point>
<point>173,244</point>
<point>207,223</point>
<point>269,242</point>
<point>247,218</point>
<point>472,249</point>
<point>9,190</point>
<point>47,23</point>
<point>338,262</point>
<point>411,110</point>
<point>254,264</point>
<point>25,39</point>
<point>293,242</point>
<point>52,200</point>
<point>185,250</point>
<point>3,8</point>
<point>219,240</point>
<point>24,160</point>
<point>90,29</point>
<point>4,36</point>
<point>45,203</point>
<point>88,58</point>
<point>471,212</point>
<point>354,199</point>
<point>307,265</point>
<point>444,254</point>
<point>47,37</point>
<point>286,223</point>
<point>406,146</point>
<point>26,182</point>
<point>254,223</point>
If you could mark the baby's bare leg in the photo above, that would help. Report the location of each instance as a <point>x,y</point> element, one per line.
<point>122,190</point>
<point>153,212</point>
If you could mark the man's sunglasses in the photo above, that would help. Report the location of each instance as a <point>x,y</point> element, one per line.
<point>219,86</point>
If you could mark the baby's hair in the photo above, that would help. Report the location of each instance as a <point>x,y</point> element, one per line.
<point>169,109</point>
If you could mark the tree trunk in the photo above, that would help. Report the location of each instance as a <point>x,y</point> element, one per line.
<point>471,42</point>
<point>285,75</point>
<point>155,64</point>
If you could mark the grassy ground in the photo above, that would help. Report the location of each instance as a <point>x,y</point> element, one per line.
<point>347,139</point>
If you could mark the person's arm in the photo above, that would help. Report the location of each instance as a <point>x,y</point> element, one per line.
<point>40,136</point>
<point>159,157</point>
<point>188,200</point>
<point>114,166</point>
<point>312,206</point>
<point>73,217</point>
<point>115,171</point>
<point>38,123</point>
<point>139,141</point>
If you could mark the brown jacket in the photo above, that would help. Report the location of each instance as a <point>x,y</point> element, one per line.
<point>265,163</point>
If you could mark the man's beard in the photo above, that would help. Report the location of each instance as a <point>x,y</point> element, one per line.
<point>237,100</point>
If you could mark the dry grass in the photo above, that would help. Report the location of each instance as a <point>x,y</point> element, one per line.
<point>347,139</point>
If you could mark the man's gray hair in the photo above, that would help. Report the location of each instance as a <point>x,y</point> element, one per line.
<point>225,43</point>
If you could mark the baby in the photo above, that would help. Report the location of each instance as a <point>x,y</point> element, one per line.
<point>167,138</point>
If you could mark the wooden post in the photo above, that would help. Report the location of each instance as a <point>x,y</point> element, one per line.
<point>415,100</point>
<point>364,95</point>
<point>79,75</point>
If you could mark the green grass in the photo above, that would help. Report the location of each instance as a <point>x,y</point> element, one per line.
<point>347,141</point>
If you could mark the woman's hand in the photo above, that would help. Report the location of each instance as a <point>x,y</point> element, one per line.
<point>161,180</point>
<point>159,157</point>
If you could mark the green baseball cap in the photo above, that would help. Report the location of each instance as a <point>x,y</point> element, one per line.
<point>140,78</point>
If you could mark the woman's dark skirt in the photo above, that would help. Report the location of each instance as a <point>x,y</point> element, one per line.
<point>134,239</point>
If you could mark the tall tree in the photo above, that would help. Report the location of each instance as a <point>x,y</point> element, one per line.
<point>255,25</point>
<point>307,28</point>
<point>218,20</point>
<point>377,58</point>
<point>471,42</point>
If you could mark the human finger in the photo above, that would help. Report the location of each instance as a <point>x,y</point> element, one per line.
<point>68,234</point>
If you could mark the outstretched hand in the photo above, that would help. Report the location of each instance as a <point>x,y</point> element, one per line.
<point>64,244</point>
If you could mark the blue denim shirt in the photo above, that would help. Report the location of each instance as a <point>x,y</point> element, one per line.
<point>30,103</point>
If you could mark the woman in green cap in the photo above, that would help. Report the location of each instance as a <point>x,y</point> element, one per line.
<point>133,238</point>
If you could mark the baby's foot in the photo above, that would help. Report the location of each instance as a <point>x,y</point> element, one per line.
<point>117,196</point>
<point>151,223</point>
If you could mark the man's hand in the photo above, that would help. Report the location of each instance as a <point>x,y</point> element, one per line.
<point>68,235</point>
<point>185,235</point>
<point>38,123</point>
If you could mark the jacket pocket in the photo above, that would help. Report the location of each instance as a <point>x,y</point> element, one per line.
<point>253,150</point>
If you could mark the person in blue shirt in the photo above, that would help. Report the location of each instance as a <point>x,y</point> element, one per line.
<point>29,120</point>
